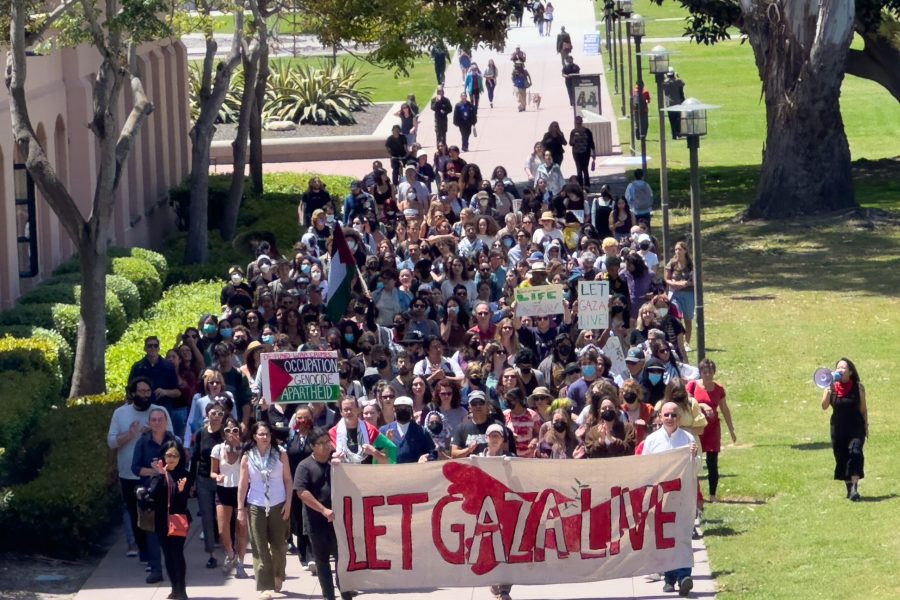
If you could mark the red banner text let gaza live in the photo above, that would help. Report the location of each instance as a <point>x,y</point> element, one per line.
<point>485,521</point>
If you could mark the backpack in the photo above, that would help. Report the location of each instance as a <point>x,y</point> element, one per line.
<point>519,80</point>
<point>579,142</point>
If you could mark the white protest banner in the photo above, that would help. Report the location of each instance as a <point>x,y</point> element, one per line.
<point>613,350</point>
<point>593,304</point>
<point>289,377</point>
<point>591,44</point>
<point>484,521</point>
<point>539,300</point>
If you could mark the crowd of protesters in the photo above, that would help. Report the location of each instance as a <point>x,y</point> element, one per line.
<point>434,361</point>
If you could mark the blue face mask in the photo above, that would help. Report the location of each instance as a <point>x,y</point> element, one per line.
<point>227,332</point>
<point>654,378</point>
<point>349,337</point>
<point>268,339</point>
<point>209,328</point>
<point>589,371</point>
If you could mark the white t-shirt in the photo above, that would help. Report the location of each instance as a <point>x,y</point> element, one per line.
<point>232,472</point>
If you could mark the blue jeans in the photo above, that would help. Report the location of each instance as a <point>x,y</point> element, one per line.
<point>676,575</point>
<point>179,420</point>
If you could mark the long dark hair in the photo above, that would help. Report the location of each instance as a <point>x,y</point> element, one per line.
<point>182,455</point>
<point>636,260</point>
<point>854,374</point>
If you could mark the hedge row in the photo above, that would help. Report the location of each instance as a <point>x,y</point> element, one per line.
<point>32,382</point>
<point>74,499</point>
<point>271,216</point>
<point>181,306</point>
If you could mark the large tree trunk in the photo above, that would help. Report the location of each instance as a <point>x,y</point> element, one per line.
<point>89,375</point>
<point>800,50</point>
<point>256,150</point>
<point>90,235</point>
<point>211,98</point>
<point>228,226</point>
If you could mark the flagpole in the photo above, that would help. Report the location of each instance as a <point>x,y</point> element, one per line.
<point>362,280</point>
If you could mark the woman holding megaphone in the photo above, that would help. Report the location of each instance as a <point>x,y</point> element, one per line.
<point>849,425</point>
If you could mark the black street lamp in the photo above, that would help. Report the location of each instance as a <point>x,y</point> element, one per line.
<point>623,9</point>
<point>693,127</point>
<point>659,66</point>
<point>639,125</point>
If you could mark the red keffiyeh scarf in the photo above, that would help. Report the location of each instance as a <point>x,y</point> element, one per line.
<point>843,389</point>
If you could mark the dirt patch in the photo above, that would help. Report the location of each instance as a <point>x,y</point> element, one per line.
<point>367,121</point>
<point>25,577</point>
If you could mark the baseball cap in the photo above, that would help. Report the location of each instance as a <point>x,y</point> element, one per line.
<point>403,401</point>
<point>635,355</point>
<point>477,395</point>
<point>536,257</point>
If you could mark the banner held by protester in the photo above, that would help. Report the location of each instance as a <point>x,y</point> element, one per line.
<point>593,304</point>
<point>539,300</point>
<point>289,377</point>
<point>488,521</point>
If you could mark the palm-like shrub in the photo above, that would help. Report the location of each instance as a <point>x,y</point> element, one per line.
<point>316,95</point>
<point>228,113</point>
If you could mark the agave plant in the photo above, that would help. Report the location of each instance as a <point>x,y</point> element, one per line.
<point>228,113</point>
<point>321,96</point>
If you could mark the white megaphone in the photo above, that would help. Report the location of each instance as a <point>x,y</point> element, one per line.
<point>824,377</point>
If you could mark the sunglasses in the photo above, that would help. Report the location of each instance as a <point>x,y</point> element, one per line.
<point>670,415</point>
<point>172,455</point>
<point>152,345</point>
<point>477,403</point>
<point>231,430</point>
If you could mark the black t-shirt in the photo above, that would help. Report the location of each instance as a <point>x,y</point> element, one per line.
<point>314,477</point>
<point>396,146</point>
<point>200,451</point>
<point>470,432</point>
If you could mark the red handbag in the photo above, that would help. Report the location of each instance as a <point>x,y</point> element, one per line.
<point>178,524</point>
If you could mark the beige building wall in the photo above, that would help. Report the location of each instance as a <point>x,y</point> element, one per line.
<point>59,101</point>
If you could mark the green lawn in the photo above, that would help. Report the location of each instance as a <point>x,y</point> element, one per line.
<point>664,21</point>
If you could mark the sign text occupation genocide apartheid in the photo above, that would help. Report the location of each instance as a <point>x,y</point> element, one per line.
<point>300,377</point>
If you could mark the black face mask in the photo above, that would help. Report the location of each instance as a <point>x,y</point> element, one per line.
<point>608,415</point>
<point>241,344</point>
<point>525,370</point>
<point>435,427</point>
<point>140,404</point>
<point>344,374</point>
<point>559,426</point>
<point>565,350</point>
<point>630,397</point>
<point>380,364</point>
<point>404,415</point>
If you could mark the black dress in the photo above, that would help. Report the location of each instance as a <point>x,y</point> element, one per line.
<point>848,434</point>
<point>172,546</point>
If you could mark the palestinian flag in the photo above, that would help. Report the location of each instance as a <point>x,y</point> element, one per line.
<point>340,276</point>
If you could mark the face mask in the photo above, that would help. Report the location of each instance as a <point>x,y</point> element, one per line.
<point>329,219</point>
<point>559,426</point>
<point>565,350</point>
<point>241,344</point>
<point>630,397</point>
<point>661,312</point>
<point>404,415</point>
<point>452,310</point>
<point>140,404</point>
<point>349,337</point>
<point>268,339</point>
<point>305,269</point>
<point>525,370</point>
<point>352,246</point>
<point>236,279</point>
<point>380,364</point>
<point>654,378</point>
<point>358,228</point>
<point>645,246</point>
<point>316,276</point>
<point>435,427</point>
<point>227,332</point>
<point>608,415</point>
<point>507,242</point>
<point>209,329</point>
<point>589,371</point>
<point>264,269</point>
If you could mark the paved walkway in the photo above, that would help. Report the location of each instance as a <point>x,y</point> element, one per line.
<point>506,136</point>
<point>121,578</point>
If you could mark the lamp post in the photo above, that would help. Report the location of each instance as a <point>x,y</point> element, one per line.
<point>659,66</point>
<point>623,11</point>
<point>640,126</point>
<point>626,6</point>
<point>693,126</point>
<point>609,12</point>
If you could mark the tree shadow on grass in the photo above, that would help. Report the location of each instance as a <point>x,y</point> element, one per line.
<point>842,250</point>
<point>811,446</point>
